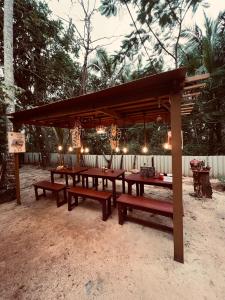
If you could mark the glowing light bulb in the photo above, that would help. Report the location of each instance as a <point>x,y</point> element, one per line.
<point>117,149</point>
<point>167,146</point>
<point>60,148</point>
<point>70,149</point>
<point>86,150</point>
<point>145,149</point>
<point>125,150</point>
<point>82,150</point>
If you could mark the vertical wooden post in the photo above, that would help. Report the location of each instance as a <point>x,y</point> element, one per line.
<point>177,177</point>
<point>78,157</point>
<point>17,177</point>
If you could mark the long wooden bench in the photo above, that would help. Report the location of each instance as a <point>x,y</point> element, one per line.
<point>55,188</point>
<point>158,207</point>
<point>102,196</point>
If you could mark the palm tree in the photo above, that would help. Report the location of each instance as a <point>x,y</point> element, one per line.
<point>108,67</point>
<point>204,53</point>
<point>204,50</point>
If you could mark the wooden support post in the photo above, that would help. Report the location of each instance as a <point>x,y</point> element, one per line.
<point>17,177</point>
<point>177,177</point>
<point>78,157</point>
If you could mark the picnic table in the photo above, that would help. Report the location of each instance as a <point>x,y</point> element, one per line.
<point>140,181</point>
<point>110,174</point>
<point>68,172</point>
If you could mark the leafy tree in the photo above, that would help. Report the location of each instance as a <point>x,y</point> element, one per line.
<point>160,21</point>
<point>204,53</point>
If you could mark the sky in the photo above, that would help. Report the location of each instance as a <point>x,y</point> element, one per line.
<point>111,31</point>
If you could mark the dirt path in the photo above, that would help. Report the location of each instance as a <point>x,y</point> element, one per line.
<point>49,253</point>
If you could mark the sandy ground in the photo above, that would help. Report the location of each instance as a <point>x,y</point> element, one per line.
<point>49,253</point>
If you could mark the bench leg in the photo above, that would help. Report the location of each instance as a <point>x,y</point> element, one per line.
<point>76,200</point>
<point>44,192</point>
<point>56,194</point>
<point>104,211</point>
<point>124,212</point>
<point>36,193</point>
<point>65,195</point>
<point>120,214</point>
<point>69,202</point>
<point>109,206</point>
<point>71,205</point>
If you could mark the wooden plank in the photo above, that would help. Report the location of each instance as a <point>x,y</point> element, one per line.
<point>177,177</point>
<point>197,77</point>
<point>191,95</point>
<point>187,104</point>
<point>194,86</point>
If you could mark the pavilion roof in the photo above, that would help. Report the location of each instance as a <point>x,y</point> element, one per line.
<point>125,103</point>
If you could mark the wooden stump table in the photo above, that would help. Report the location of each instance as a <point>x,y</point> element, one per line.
<point>202,186</point>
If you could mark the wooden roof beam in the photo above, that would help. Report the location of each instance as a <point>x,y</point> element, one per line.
<point>197,77</point>
<point>110,112</point>
<point>191,95</point>
<point>194,86</point>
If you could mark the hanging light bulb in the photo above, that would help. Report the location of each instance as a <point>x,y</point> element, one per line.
<point>125,150</point>
<point>117,149</point>
<point>70,149</point>
<point>86,150</point>
<point>81,150</point>
<point>145,149</point>
<point>60,148</point>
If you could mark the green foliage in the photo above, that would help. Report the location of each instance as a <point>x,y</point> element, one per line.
<point>204,52</point>
<point>42,47</point>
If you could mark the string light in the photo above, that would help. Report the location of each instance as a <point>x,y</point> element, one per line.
<point>167,146</point>
<point>82,150</point>
<point>145,149</point>
<point>60,148</point>
<point>125,150</point>
<point>117,149</point>
<point>70,149</point>
<point>86,150</point>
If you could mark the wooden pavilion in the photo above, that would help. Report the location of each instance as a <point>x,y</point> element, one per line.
<point>168,95</point>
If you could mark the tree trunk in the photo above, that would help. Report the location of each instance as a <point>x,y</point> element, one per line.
<point>9,180</point>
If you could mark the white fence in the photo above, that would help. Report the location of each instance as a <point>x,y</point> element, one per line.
<point>163,163</point>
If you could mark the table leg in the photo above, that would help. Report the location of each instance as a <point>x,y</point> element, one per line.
<point>137,189</point>
<point>83,181</point>
<point>114,192</point>
<point>66,179</point>
<point>129,188</point>
<point>96,183</point>
<point>52,177</point>
<point>74,180</point>
<point>123,183</point>
<point>141,189</point>
<point>87,182</point>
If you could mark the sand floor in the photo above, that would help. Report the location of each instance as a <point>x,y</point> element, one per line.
<point>50,253</point>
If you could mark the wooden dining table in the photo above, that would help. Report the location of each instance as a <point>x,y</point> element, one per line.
<point>110,174</point>
<point>140,181</point>
<point>73,172</point>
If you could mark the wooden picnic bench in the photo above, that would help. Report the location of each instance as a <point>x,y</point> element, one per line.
<point>55,188</point>
<point>158,207</point>
<point>102,196</point>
